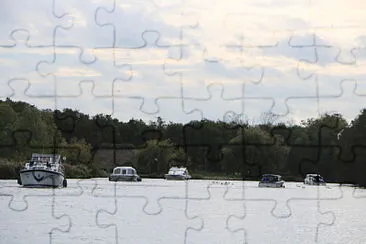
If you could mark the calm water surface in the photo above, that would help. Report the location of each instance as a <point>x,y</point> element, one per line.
<point>159,211</point>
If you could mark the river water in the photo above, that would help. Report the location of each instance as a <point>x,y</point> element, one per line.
<point>195,211</point>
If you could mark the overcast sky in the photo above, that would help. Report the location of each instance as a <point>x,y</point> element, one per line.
<point>185,60</point>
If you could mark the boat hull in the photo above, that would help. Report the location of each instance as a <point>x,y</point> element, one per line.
<point>41,178</point>
<point>124,178</point>
<point>272,185</point>
<point>176,177</point>
<point>314,183</point>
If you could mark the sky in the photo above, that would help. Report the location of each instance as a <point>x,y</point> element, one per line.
<point>186,60</point>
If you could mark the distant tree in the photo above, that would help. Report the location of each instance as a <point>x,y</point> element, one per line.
<point>157,157</point>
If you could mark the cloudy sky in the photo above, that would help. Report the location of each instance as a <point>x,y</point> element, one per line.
<point>187,59</point>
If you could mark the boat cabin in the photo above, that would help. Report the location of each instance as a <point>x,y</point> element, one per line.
<point>312,179</point>
<point>124,171</point>
<point>178,171</point>
<point>270,178</point>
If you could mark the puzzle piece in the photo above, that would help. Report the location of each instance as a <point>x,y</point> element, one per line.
<point>16,17</point>
<point>282,207</point>
<point>40,226</point>
<point>215,216</point>
<point>147,16</point>
<point>215,99</point>
<point>230,74</point>
<point>110,155</point>
<point>82,229</point>
<point>20,78</point>
<point>347,28</point>
<point>84,33</point>
<point>147,80</point>
<point>234,20</point>
<point>18,196</point>
<point>347,226</point>
<point>280,78</point>
<point>150,190</point>
<point>134,221</point>
<point>260,225</point>
<point>70,82</point>
<point>204,143</point>
<point>328,74</point>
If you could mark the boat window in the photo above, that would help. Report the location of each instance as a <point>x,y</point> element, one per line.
<point>117,171</point>
<point>270,178</point>
<point>124,171</point>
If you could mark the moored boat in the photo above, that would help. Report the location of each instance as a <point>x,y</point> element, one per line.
<point>43,170</point>
<point>124,174</point>
<point>177,173</point>
<point>271,180</point>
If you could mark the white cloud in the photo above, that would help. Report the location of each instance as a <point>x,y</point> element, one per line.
<point>140,71</point>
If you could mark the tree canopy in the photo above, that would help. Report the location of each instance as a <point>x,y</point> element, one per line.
<point>328,145</point>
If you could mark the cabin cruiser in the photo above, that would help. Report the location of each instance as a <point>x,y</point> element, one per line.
<point>314,179</point>
<point>124,174</point>
<point>176,173</point>
<point>271,180</point>
<point>43,170</point>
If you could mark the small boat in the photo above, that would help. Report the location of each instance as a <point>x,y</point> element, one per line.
<point>314,179</point>
<point>43,170</point>
<point>271,180</point>
<point>176,173</point>
<point>124,174</point>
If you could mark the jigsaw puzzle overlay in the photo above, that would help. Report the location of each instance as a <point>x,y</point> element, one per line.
<point>237,92</point>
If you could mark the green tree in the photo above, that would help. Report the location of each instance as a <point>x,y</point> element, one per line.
<point>157,157</point>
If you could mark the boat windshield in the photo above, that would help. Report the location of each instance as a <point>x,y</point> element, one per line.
<point>270,178</point>
<point>318,178</point>
<point>124,171</point>
<point>177,171</point>
<point>46,158</point>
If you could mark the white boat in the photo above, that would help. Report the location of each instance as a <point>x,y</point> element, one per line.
<point>271,180</point>
<point>124,174</point>
<point>314,179</point>
<point>43,170</point>
<point>176,173</point>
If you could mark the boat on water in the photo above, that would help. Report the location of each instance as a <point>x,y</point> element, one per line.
<point>314,179</point>
<point>177,173</point>
<point>124,174</point>
<point>271,180</point>
<point>43,170</point>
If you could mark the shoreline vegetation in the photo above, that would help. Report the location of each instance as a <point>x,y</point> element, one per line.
<point>213,150</point>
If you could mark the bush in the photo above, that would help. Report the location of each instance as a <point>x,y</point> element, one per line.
<point>9,170</point>
<point>77,171</point>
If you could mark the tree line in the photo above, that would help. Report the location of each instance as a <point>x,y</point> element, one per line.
<point>327,145</point>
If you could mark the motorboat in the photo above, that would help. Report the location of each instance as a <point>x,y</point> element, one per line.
<point>314,179</point>
<point>271,180</point>
<point>43,170</point>
<point>124,174</point>
<point>177,173</point>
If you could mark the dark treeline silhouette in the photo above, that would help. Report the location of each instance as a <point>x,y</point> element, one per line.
<point>93,145</point>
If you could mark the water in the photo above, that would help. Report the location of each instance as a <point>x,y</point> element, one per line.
<point>159,211</point>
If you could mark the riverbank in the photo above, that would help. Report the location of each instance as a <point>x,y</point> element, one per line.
<point>10,171</point>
